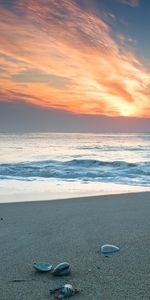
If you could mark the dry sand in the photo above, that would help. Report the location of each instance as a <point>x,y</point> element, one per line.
<point>73,231</point>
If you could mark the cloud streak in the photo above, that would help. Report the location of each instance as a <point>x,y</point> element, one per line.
<point>132,3</point>
<point>84,69</point>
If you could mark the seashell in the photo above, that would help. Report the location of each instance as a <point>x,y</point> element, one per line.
<point>65,291</point>
<point>105,249</point>
<point>42,267</point>
<point>62,269</point>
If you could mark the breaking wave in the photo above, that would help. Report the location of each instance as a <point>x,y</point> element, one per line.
<point>79,169</point>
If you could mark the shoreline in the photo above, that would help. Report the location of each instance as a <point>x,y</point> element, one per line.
<point>76,198</point>
<point>13,191</point>
<point>73,230</point>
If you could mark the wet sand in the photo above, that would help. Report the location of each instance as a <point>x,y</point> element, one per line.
<point>73,230</point>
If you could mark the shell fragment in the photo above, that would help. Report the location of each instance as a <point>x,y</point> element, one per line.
<point>65,291</point>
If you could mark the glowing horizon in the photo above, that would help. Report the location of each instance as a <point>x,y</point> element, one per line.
<point>64,56</point>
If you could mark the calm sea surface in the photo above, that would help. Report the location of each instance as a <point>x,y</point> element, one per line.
<point>36,166</point>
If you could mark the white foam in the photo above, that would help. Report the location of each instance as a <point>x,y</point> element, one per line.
<point>14,191</point>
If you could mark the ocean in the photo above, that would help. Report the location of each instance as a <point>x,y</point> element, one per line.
<point>41,166</point>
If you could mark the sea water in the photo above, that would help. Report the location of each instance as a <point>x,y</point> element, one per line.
<point>40,166</point>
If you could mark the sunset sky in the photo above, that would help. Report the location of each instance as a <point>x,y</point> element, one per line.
<point>75,58</point>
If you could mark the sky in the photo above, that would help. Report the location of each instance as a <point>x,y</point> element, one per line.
<point>75,65</point>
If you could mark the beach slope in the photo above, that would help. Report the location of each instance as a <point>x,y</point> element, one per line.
<point>73,230</point>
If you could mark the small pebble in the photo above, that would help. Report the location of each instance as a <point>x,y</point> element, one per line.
<point>106,249</point>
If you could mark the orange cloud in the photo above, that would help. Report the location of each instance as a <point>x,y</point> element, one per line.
<point>56,55</point>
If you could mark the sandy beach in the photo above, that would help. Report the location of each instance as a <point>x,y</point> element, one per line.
<point>73,230</point>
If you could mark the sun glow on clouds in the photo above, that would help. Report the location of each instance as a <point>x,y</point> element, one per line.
<point>54,54</point>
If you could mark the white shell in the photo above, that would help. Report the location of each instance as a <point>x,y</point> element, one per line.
<point>42,267</point>
<point>62,269</point>
<point>109,249</point>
